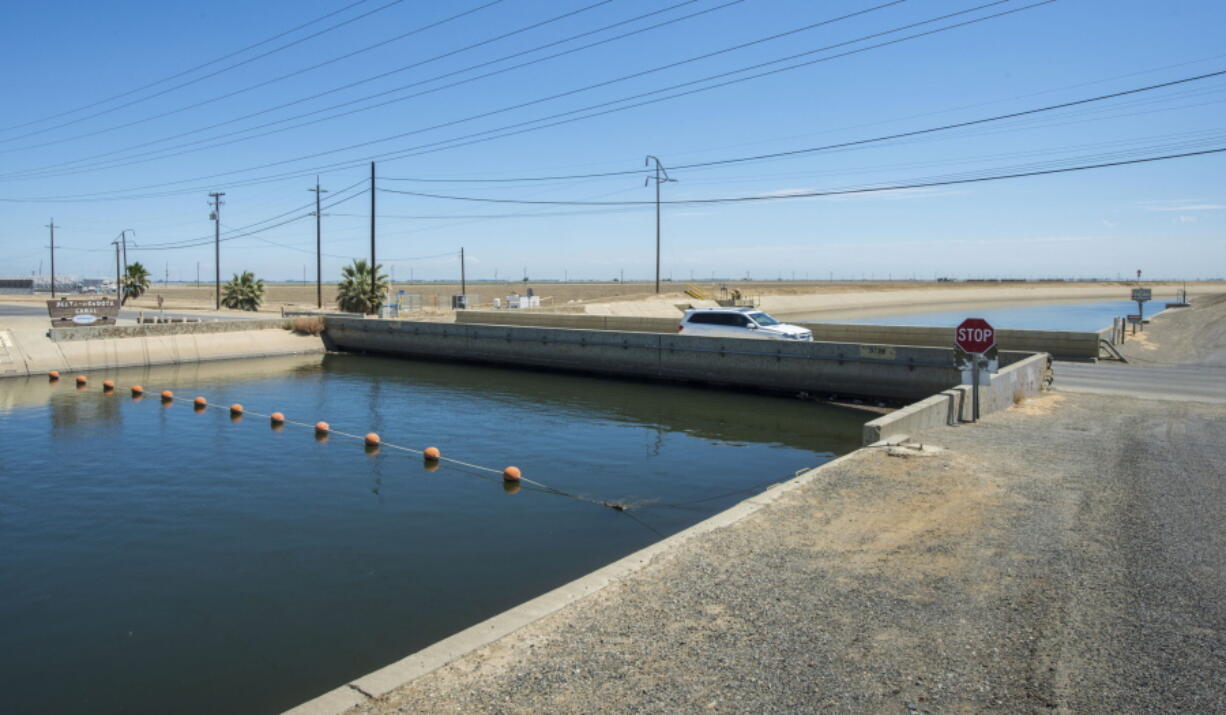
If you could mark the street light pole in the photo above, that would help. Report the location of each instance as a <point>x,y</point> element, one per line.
<point>660,177</point>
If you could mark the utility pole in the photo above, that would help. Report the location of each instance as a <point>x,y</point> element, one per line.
<point>217,203</point>
<point>115,243</point>
<point>660,177</point>
<point>123,236</point>
<point>52,227</point>
<point>319,270</point>
<point>374,273</point>
<point>463,282</point>
<point>197,274</point>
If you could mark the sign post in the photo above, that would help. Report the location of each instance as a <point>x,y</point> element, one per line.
<point>1141,295</point>
<point>975,343</point>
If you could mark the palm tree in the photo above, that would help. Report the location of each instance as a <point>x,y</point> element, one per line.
<point>244,292</point>
<point>135,282</point>
<point>354,293</point>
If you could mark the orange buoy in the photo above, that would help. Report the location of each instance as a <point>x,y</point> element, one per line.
<point>81,380</point>
<point>323,427</point>
<point>371,438</point>
<point>137,390</point>
<point>53,375</point>
<point>108,385</point>
<point>511,474</point>
<point>167,395</point>
<point>432,454</point>
<point>236,409</point>
<point>276,418</point>
<point>200,402</point>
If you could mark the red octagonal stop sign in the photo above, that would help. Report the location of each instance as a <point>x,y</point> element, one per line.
<point>974,335</point>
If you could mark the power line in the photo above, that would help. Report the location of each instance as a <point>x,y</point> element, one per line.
<point>182,148</point>
<point>188,71</point>
<point>815,194</point>
<point>296,213</point>
<point>242,90</point>
<point>181,85</point>
<point>484,134</point>
<point>826,147</point>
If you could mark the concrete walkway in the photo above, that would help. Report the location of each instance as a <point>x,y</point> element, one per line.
<point>1064,554</point>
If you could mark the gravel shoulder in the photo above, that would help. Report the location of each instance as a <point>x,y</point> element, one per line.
<point>1068,553</point>
<point>1064,554</point>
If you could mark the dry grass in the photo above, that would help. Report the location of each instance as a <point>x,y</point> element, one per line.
<point>311,325</point>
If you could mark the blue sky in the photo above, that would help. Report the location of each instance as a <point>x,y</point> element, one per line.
<point>112,121</point>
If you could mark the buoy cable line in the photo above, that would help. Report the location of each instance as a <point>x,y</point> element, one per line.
<point>834,192</point>
<point>461,464</point>
<point>826,147</point>
<point>209,75</point>
<point>185,72</point>
<point>545,122</point>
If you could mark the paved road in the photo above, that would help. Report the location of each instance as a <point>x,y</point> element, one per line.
<point>1197,383</point>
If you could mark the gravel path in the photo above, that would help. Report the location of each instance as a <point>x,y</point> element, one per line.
<point>1067,553</point>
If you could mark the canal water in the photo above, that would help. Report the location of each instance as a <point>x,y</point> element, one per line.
<point>160,559</point>
<point>1076,316</point>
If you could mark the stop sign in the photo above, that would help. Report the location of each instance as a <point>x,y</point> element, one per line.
<point>974,335</point>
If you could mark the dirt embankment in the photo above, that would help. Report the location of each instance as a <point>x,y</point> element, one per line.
<point>640,299</point>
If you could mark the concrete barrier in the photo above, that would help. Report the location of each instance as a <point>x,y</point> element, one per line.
<point>159,329</point>
<point>895,373</point>
<point>1061,344</point>
<point>1019,380</point>
<point>577,321</point>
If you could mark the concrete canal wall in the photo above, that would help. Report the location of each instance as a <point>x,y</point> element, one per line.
<point>876,371</point>
<point>160,329</point>
<point>1061,344</point>
<point>34,352</point>
<point>1022,379</point>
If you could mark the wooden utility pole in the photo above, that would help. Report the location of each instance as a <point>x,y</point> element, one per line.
<point>118,299</point>
<point>52,227</point>
<point>319,271</point>
<point>217,203</point>
<point>374,272</point>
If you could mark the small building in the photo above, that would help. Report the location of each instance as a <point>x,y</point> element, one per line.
<point>19,286</point>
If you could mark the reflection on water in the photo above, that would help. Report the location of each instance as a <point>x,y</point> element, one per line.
<point>159,558</point>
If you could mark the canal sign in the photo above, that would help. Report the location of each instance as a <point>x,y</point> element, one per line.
<point>77,313</point>
<point>1141,295</point>
<point>974,335</point>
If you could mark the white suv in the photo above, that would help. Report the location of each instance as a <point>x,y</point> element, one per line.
<point>739,323</point>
